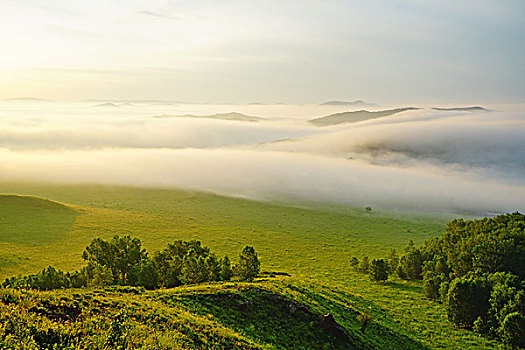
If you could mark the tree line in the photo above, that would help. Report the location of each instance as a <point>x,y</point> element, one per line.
<point>123,261</point>
<point>476,269</point>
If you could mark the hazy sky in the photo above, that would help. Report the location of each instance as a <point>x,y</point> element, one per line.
<point>268,51</point>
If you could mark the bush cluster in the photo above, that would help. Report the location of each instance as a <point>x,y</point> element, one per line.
<point>123,261</point>
<point>477,269</point>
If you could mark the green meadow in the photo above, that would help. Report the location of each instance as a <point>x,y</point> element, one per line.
<point>44,224</point>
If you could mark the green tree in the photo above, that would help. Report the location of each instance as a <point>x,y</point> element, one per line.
<point>435,273</point>
<point>354,262</point>
<point>119,255</point>
<point>443,291</point>
<point>431,284</point>
<point>477,268</point>
<point>487,245</point>
<point>226,272</point>
<point>401,272</point>
<point>468,299</point>
<point>170,261</point>
<point>248,266</point>
<point>378,270</point>
<point>393,261</point>
<point>50,278</point>
<point>78,279</point>
<point>99,275</point>
<point>194,269</point>
<point>213,268</point>
<point>128,253</point>
<point>364,265</point>
<point>513,330</point>
<point>145,274</point>
<point>412,262</point>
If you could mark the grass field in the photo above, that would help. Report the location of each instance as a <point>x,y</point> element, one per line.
<point>270,313</point>
<point>312,242</point>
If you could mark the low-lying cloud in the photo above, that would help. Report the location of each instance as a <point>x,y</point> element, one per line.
<point>148,133</point>
<point>490,144</point>
<point>420,159</point>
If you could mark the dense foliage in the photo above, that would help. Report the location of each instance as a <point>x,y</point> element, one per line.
<point>123,261</point>
<point>378,270</point>
<point>477,269</point>
<point>248,266</point>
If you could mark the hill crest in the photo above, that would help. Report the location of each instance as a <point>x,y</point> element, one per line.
<point>356,116</point>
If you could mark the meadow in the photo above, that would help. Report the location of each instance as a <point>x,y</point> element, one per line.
<point>312,242</point>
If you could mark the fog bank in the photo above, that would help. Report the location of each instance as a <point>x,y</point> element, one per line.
<point>425,159</point>
<point>266,176</point>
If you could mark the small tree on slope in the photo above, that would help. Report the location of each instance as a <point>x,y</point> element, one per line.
<point>378,270</point>
<point>248,266</point>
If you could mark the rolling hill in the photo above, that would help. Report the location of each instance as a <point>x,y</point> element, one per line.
<point>108,105</point>
<point>270,313</point>
<point>356,116</point>
<point>312,242</point>
<point>33,221</point>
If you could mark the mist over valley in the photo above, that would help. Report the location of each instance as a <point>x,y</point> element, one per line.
<point>454,158</point>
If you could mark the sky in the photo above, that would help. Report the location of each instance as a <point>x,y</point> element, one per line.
<point>238,51</point>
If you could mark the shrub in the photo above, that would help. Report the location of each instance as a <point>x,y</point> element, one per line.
<point>412,263</point>
<point>145,274</point>
<point>226,272</point>
<point>99,275</point>
<point>468,299</point>
<point>401,272</point>
<point>115,263</point>
<point>117,332</point>
<point>393,261</point>
<point>513,330</point>
<point>365,319</point>
<point>364,265</point>
<point>186,262</point>
<point>378,270</point>
<point>194,269</point>
<point>431,284</point>
<point>248,266</point>
<point>120,255</point>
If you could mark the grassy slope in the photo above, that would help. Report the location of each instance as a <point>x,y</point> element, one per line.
<point>267,314</point>
<point>33,221</point>
<point>309,242</point>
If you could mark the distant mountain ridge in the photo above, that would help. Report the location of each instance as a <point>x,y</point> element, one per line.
<point>355,103</point>
<point>461,109</point>
<point>356,116</point>
<point>222,116</point>
<point>107,104</point>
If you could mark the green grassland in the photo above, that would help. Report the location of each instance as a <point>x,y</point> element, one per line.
<point>51,225</point>
<point>270,313</point>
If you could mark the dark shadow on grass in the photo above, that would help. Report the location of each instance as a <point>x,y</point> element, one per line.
<point>403,286</point>
<point>286,322</point>
<point>382,333</point>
